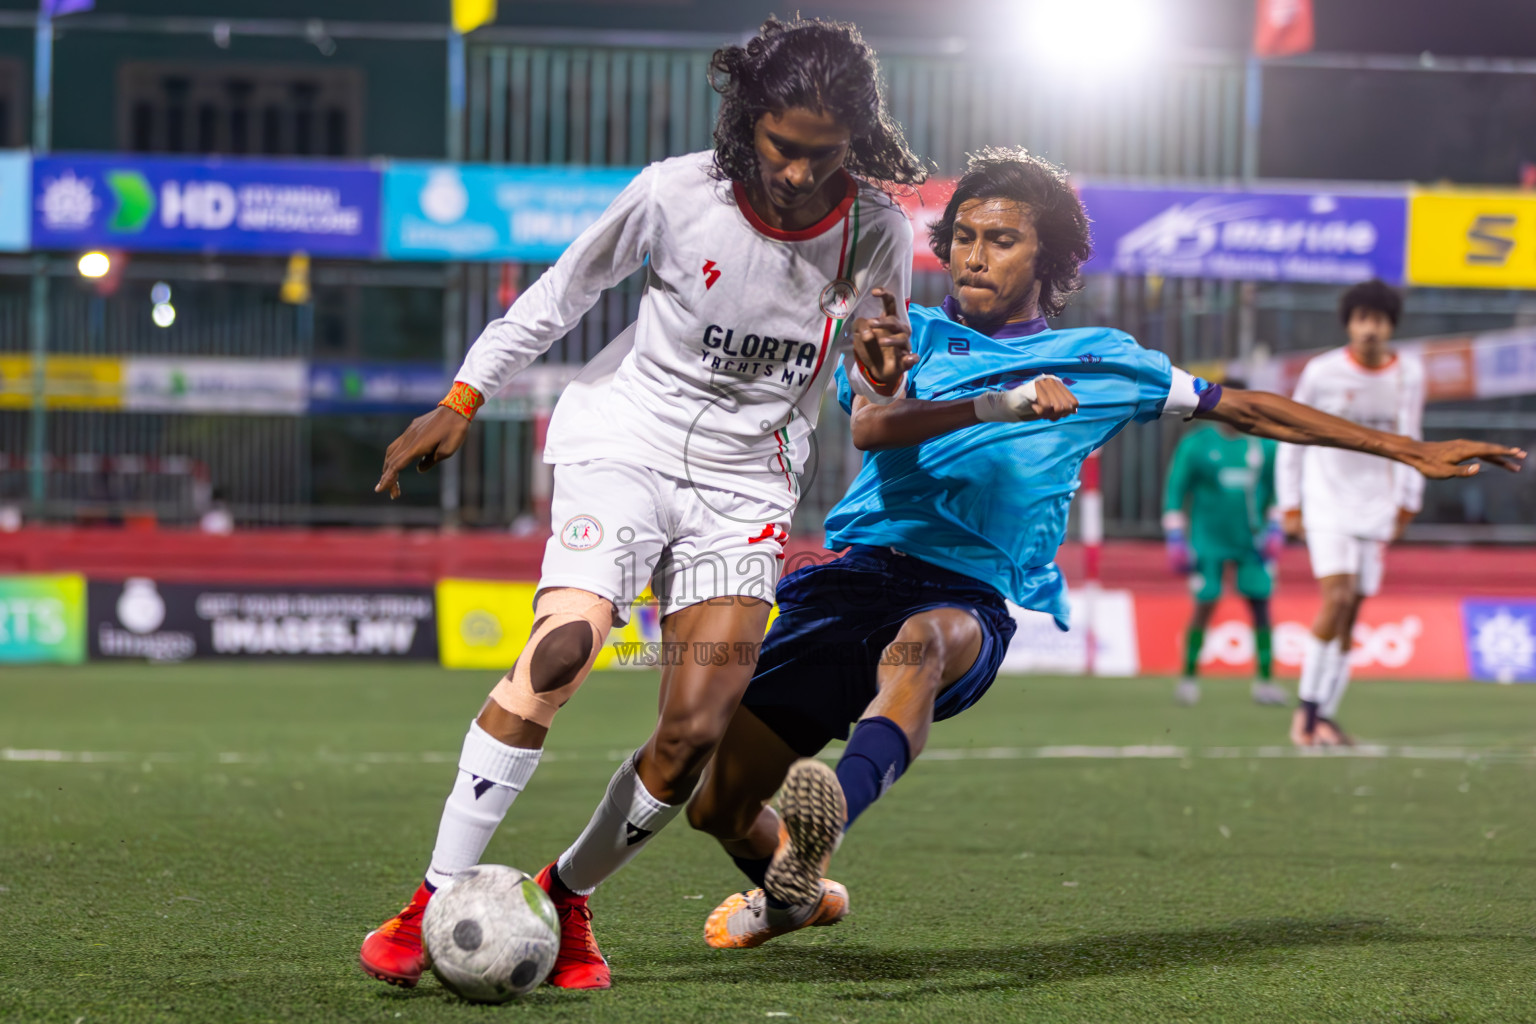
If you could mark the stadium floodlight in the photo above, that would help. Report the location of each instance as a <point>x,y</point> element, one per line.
<point>94,264</point>
<point>160,293</point>
<point>164,314</point>
<point>1108,36</point>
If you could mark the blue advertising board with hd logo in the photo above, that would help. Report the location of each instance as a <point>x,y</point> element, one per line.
<point>1247,235</point>
<point>461,212</point>
<point>205,205</point>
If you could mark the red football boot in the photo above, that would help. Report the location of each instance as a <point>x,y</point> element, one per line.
<point>580,963</point>
<point>392,952</point>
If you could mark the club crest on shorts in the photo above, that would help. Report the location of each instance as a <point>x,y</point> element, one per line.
<point>837,299</point>
<point>581,532</point>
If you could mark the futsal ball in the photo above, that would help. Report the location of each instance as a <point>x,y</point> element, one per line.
<point>491,935</point>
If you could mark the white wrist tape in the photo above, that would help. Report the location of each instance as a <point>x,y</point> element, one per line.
<point>865,389</point>
<point>1012,406</point>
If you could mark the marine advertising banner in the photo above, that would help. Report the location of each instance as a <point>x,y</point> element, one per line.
<point>1316,236</point>
<point>167,204</point>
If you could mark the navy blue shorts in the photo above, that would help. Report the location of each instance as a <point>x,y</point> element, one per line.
<point>817,670</point>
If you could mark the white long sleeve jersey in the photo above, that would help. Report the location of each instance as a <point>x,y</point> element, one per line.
<point>719,380</point>
<point>1350,492</point>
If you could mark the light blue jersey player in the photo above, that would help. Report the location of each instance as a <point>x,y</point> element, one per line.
<point>961,502</point>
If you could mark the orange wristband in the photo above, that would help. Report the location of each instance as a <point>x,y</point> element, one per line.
<point>463,400</point>
<point>884,389</point>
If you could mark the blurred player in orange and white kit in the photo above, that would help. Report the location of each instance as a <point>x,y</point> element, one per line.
<point>1349,505</point>
<point>676,449</point>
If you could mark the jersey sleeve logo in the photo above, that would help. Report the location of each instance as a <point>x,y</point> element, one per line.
<point>837,299</point>
<point>711,275</point>
<point>959,346</point>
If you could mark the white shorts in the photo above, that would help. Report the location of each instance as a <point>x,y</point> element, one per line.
<point>618,525</point>
<point>1340,554</point>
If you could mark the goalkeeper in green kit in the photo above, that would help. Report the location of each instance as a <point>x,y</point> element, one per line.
<point>1218,508</point>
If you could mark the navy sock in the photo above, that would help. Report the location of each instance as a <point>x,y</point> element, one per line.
<point>754,868</point>
<point>876,755</point>
<point>1310,708</point>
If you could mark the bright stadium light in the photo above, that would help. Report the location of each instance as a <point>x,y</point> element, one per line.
<point>1106,36</point>
<point>94,264</point>
<point>164,314</point>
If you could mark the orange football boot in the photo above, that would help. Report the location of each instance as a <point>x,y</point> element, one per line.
<point>746,920</point>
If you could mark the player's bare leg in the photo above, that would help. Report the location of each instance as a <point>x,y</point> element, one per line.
<point>932,650</point>
<point>731,804</point>
<point>1188,690</point>
<point>1320,661</point>
<point>699,695</point>
<point>500,754</point>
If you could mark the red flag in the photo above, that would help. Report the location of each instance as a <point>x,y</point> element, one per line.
<point>1282,28</point>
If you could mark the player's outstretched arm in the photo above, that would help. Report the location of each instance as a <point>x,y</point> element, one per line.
<point>1267,415</point>
<point>909,421</point>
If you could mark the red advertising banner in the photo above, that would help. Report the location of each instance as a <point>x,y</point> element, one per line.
<point>1396,637</point>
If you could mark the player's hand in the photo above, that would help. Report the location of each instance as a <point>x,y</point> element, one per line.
<point>1442,460</point>
<point>1290,522</point>
<point>1179,561</point>
<point>427,441</point>
<point>883,344</point>
<point>1404,517</point>
<point>1043,398</point>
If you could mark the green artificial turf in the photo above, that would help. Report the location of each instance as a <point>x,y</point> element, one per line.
<point>249,823</point>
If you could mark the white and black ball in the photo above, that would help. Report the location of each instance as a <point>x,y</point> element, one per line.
<point>491,935</point>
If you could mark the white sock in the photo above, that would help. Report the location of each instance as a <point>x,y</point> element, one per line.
<point>1337,684</point>
<point>491,774</point>
<point>1316,669</point>
<point>620,827</point>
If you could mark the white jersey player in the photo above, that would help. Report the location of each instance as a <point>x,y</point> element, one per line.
<point>1348,504</point>
<point>676,449</point>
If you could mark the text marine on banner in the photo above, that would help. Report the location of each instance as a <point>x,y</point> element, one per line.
<point>204,205</point>
<point>459,212</point>
<point>1321,237</point>
<point>1472,239</point>
<point>42,619</point>
<point>140,618</point>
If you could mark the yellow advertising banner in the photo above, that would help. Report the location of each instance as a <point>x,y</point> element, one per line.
<point>69,382</point>
<point>1466,238</point>
<point>484,624</point>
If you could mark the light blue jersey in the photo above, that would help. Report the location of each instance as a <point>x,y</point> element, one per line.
<point>991,501</point>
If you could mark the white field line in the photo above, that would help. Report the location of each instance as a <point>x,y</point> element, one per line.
<point>1053,753</point>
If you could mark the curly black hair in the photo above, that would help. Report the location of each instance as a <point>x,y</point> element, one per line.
<point>1375,295</point>
<point>1059,220</point>
<point>821,66</point>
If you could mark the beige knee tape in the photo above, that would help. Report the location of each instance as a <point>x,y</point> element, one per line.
<point>553,610</point>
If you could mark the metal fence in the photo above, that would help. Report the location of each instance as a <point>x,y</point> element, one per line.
<point>625,105</point>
